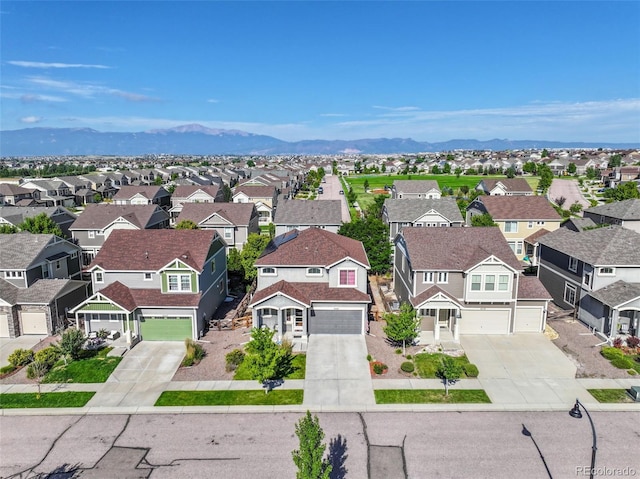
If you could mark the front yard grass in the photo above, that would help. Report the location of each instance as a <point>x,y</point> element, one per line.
<point>299,367</point>
<point>231,398</point>
<point>427,364</point>
<point>95,368</point>
<point>610,395</point>
<point>423,396</point>
<point>47,400</point>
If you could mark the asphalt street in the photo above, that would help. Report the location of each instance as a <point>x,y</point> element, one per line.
<point>360,445</point>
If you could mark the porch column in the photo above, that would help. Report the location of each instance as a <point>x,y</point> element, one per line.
<point>614,322</point>
<point>436,327</point>
<point>456,318</point>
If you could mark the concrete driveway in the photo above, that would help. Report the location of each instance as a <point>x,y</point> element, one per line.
<point>9,345</point>
<point>337,372</point>
<point>144,372</point>
<point>522,369</point>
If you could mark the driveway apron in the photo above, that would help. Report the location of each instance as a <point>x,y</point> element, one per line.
<point>522,369</point>
<point>337,372</point>
<point>144,372</point>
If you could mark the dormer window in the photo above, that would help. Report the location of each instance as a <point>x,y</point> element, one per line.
<point>268,271</point>
<point>99,277</point>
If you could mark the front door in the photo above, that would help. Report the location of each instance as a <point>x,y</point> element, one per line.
<point>294,321</point>
<point>443,319</point>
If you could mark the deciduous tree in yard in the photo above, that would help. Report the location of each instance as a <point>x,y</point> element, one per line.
<point>187,225</point>
<point>484,219</point>
<point>267,360</point>
<point>402,327</point>
<point>250,252</point>
<point>374,235</point>
<point>41,224</point>
<point>310,458</point>
<point>449,371</point>
<point>71,343</point>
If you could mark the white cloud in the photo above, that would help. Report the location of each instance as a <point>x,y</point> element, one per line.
<point>213,100</point>
<point>25,64</point>
<point>399,108</point>
<point>87,90</point>
<point>329,115</point>
<point>31,119</point>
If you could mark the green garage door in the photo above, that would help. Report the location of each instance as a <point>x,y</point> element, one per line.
<point>165,329</point>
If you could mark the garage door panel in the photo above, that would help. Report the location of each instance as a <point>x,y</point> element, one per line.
<point>162,329</point>
<point>34,322</point>
<point>528,320</point>
<point>4,325</point>
<point>336,322</point>
<point>494,321</point>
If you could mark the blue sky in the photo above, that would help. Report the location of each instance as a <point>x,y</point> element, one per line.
<point>431,71</point>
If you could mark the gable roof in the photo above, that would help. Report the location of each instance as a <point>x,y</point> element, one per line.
<point>306,293</point>
<point>185,191</point>
<point>101,215</point>
<point>255,191</point>
<point>43,291</point>
<point>20,250</point>
<point>148,191</point>
<point>510,184</point>
<point>518,208</point>
<point>311,247</point>
<point>415,186</point>
<point>303,212</point>
<point>456,249</point>
<point>17,214</point>
<point>430,293</point>
<point>410,209</point>
<point>617,294</point>
<point>151,250</point>
<point>131,298</point>
<point>9,189</point>
<point>239,214</point>
<point>624,210</point>
<point>607,246</point>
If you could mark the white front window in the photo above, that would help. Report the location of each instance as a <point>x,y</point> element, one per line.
<point>503,282</point>
<point>476,282</point>
<point>443,277</point>
<point>314,272</point>
<point>347,277</point>
<point>147,276</point>
<point>490,282</point>
<point>179,282</point>
<point>570,294</point>
<point>511,227</point>
<point>99,277</point>
<point>268,271</point>
<point>427,277</point>
<point>92,234</point>
<point>516,246</point>
<point>573,264</point>
<point>228,233</point>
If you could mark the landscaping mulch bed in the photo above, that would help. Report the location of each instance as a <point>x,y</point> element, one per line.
<point>380,350</point>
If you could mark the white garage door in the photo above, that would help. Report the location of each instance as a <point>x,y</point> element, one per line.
<point>4,326</point>
<point>490,321</point>
<point>528,320</point>
<point>34,323</point>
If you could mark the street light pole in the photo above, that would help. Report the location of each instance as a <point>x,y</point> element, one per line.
<point>575,412</point>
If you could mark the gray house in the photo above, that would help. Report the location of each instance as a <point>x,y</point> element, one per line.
<point>194,194</point>
<point>91,229</point>
<point>597,272</point>
<point>624,213</point>
<point>303,214</point>
<point>466,281</point>
<point>156,284</point>
<point>14,215</point>
<point>312,282</point>
<point>399,213</point>
<point>39,282</point>
<point>234,222</point>
<point>405,189</point>
<point>143,195</point>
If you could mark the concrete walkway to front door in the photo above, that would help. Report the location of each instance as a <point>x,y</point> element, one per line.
<point>337,372</point>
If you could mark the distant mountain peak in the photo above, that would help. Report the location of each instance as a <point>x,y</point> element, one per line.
<point>197,128</point>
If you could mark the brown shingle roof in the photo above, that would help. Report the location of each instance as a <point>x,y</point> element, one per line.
<point>238,214</point>
<point>530,287</point>
<point>312,247</point>
<point>510,184</point>
<point>533,238</point>
<point>415,186</point>
<point>519,208</point>
<point>307,293</point>
<point>256,191</point>
<point>150,250</point>
<point>432,291</point>
<point>139,298</point>
<point>98,216</point>
<point>148,191</point>
<point>184,191</point>
<point>456,249</point>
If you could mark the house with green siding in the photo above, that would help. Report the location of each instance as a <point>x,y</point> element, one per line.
<point>161,285</point>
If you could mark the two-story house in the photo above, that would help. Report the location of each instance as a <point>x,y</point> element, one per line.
<point>15,195</point>
<point>156,284</point>
<point>466,281</point>
<point>596,271</point>
<point>518,217</point>
<point>234,222</point>
<point>39,281</point>
<point>312,282</point>
<point>91,229</point>
<point>143,195</point>
<point>303,214</point>
<point>264,197</point>
<point>625,213</point>
<point>15,215</point>
<point>405,189</point>
<point>505,187</point>
<point>194,194</point>
<point>51,192</point>
<point>400,213</point>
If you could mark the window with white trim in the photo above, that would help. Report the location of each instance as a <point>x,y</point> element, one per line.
<point>347,277</point>
<point>443,277</point>
<point>13,274</point>
<point>490,282</point>
<point>147,276</point>
<point>510,226</point>
<point>586,279</point>
<point>503,282</point>
<point>573,264</point>
<point>314,272</point>
<point>179,282</point>
<point>606,271</point>
<point>530,224</point>
<point>269,312</point>
<point>569,294</point>
<point>228,233</point>
<point>427,277</point>
<point>476,282</point>
<point>91,234</point>
<point>99,277</point>
<point>268,271</point>
<point>516,246</point>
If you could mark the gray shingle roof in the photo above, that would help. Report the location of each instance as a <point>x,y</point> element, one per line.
<point>415,186</point>
<point>409,210</point>
<point>42,291</point>
<point>624,210</point>
<point>18,251</point>
<point>608,246</point>
<point>617,293</point>
<point>98,216</point>
<point>17,214</point>
<point>303,212</point>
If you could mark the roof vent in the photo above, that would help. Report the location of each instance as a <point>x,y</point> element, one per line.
<point>146,255</point>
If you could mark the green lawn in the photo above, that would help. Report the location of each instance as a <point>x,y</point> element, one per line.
<point>422,396</point>
<point>610,395</point>
<point>30,400</point>
<point>230,398</point>
<point>95,368</point>
<point>299,366</point>
<point>427,364</point>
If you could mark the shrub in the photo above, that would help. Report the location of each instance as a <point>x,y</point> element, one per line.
<point>471,370</point>
<point>369,358</point>
<point>409,356</point>
<point>622,362</point>
<point>379,368</point>
<point>611,353</point>
<point>194,354</point>
<point>398,351</point>
<point>7,369</point>
<point>233,360</point>
<point>48,355</point>
<point>633,341</point>
<point>20,357</point>
<point>617,343</point>
<point>37,369</point>
<point>102,334</point>
<point>407,367</point>
<point>632,372</point>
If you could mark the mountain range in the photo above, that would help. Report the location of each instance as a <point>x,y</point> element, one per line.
<point>199,140</point>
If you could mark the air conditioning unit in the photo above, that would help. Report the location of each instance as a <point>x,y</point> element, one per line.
<point>634,392</point>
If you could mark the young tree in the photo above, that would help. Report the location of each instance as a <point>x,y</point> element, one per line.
<point>625,191</point>
<point>446,168</point>
<point>402,327</point>
<point>366,185</point>
<point>592,173</point>
<point>615,161</point>
<point>309,458</point>
<point>71,343</point>
<point>449,371</point>
<point>575,208</point>
<point>41,224</point>
<point>511,172</point>
<point>546,177</point>
<point>226,193</point>
<point>529,167</point>
<point>234,262</point>
<point>484,219</point>
<point>252,249</point>
<point>265,359</point>
<point>572,168</point>
<point>561,201</point>
<point>37,371</point>
<point>187,225</point>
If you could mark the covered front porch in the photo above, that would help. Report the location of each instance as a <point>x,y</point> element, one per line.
<point>620,308</point>
<point>289,322</point>
<point>439,315</point>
